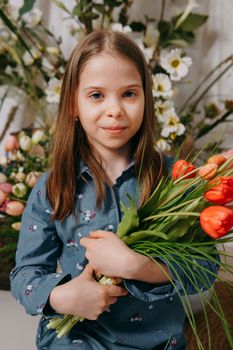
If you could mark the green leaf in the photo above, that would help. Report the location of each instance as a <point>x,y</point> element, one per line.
<point>14,29</point>
<point>28,5</point>
<point>137,26</point>
<point>149,207</point>
<point>130,221</point>
<point>61,5</point>
<point>178,42</point>
<point>193,22</point>
<point>144,235</point>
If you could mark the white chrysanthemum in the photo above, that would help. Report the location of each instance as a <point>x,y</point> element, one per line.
<point>28,59</point>
<point>120,28</point>
<point>163,145</point>
<point>32,18</point>
<point>172,125</point>
<point>19,190</point>
<point>53,90</point>
<point>174,64</point>
<point>161,107</point>
<point>162,86</point>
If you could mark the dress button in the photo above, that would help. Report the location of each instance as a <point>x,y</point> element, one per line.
<point>119,340</point>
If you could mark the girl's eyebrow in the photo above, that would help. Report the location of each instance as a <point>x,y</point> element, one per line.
<point>102,88</point>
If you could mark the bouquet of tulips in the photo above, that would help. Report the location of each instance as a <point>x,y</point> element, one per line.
<point>182,221</point>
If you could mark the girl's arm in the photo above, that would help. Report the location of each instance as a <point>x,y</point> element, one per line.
<point>144,278</point>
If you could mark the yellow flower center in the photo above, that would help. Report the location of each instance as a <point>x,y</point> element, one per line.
<point>175,63</point>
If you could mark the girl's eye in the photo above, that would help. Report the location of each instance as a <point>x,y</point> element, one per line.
<point>129,94</point>
<point>96,95</point>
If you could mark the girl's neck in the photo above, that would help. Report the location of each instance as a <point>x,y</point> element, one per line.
<point>115,163</point>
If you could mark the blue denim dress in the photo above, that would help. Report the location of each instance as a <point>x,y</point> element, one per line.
<point>151,316</point>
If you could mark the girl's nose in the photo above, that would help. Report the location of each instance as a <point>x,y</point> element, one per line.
<point>113,111</point>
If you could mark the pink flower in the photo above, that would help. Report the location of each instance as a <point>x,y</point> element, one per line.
<point>14,208</point>
<point>3,197</point>
<point>6,187</point>
<point>12,143</point>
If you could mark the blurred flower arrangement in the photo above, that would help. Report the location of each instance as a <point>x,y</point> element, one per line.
<point>26,159</point>
<point>32,64</point>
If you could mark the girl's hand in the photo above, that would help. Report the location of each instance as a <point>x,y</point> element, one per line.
<point>84,297</point>
<point>108,254</point>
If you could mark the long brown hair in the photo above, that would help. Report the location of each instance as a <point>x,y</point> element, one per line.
<point>69,142</point>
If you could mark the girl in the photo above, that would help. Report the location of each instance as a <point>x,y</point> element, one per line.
<point>105,126</point>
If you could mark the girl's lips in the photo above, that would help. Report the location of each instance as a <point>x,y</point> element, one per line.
<point>114,129</point>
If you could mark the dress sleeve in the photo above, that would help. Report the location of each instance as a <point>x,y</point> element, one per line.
<point>188,279</point>
<point>39,247</point>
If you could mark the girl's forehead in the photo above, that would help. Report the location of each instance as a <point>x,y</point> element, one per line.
<point>109,67</point>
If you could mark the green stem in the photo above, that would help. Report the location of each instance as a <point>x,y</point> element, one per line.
<point>171,214</point>
<point>203,81</point>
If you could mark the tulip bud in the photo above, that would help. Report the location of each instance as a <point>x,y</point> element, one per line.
<point>25,142</point>
<point>216,159</point>
<point>32,177</point>
<point>3,160</point>
<point>38,136</point>
<point>12,143</point>
<point>221,190</point>
<point>216,221</point>
<point>6,187</point>
<point>208,171</point>
<point>3,178</point>
<point>20,177</point>
<point>181,168</point>
<point>3,197</point>
<point>19,190</point>
<point>14,208</point>
<point>16,226</point>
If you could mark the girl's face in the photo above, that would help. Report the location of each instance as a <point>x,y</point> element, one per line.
<point>110,102</point>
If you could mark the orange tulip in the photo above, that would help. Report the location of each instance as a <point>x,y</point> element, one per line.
<point>222,190</point>
<point>216,221</point>
<point>181,168</point>
<point>217,159</point>
<point>208,171</point>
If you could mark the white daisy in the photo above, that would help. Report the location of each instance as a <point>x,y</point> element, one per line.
<point>120,28</point>
<point>174,64</point>
<point>162,86</point>
<point>172,125</point>
<point>53,90</point>
<point>163,145</point>
<point>32,18</point>
<point>161,107</point>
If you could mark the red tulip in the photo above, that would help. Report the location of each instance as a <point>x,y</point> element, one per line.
<point>216,221</point>
<point>222,192</point>
<point>181,168</point>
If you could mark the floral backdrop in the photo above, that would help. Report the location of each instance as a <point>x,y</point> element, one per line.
<point>32,64</point>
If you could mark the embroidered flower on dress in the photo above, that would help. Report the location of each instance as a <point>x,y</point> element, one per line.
<point>88,215</point>
<point>40,308</point>
<point>136,318</point>
<point>80,266</point>
<point>28,289</point>
<point>72,243</point>
<point>33,228</point>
